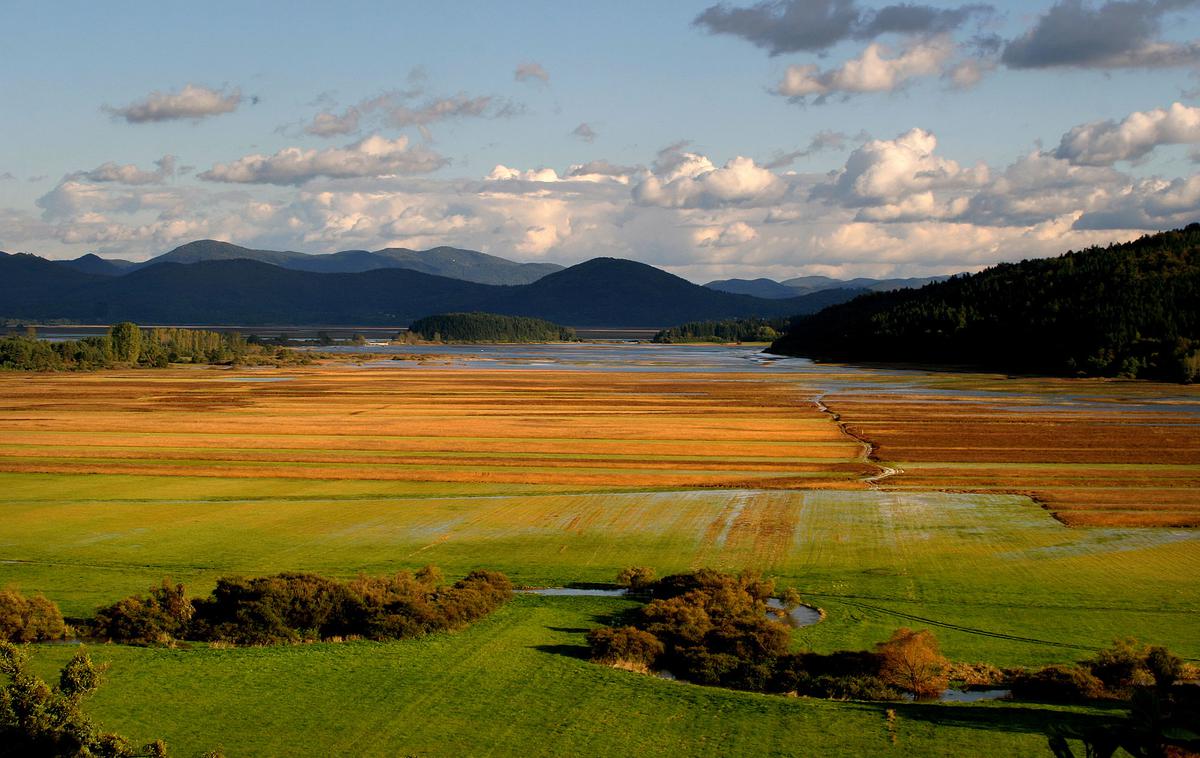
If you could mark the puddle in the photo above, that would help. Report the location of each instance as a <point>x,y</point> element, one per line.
<point>574,592</point>
<point>972,695</point>
<point>800,617</point>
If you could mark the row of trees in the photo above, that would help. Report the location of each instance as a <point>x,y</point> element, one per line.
<point>1128,310</point>
<point>488,327</point>
<point>287,608</point>
<point>728,330</point>
<point>128,345</point>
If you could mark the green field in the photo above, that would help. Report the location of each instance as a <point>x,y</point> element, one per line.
<point>491,470</point>
<point>511,685</point>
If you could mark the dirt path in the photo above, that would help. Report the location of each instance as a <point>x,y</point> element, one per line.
<point>868,448</point>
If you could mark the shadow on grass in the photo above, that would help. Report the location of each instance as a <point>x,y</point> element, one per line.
<point>570,629</point>
<point>581,652</point>
<point>1017,718</point>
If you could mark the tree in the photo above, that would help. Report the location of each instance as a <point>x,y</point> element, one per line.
<point>126,341</point>
<point>912,661</point>
<point>29,619</point>
<point>40,721</point>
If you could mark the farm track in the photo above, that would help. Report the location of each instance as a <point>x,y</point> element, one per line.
<point>868,454</point>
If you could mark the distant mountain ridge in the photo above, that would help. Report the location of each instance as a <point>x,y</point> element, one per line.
<point>455,263</point>
<point>804,285</point>
<point>240,291</point>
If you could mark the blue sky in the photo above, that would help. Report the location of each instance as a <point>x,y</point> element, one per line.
<point>934,135</point>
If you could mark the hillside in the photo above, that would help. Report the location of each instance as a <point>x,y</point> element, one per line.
<point>1125,310</point>
<point>602,292</point>
<point>618,292</point>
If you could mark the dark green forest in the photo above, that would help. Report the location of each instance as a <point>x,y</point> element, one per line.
<point>1129,310</point>
<point>727,330</point>
<point>488,327</point>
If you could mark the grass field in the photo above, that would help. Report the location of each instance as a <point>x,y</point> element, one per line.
<point>111,481</point>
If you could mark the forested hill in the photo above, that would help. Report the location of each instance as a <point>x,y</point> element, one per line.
<point>488,327</point>
<point>1125,310</point>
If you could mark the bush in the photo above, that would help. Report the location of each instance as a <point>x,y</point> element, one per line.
<point>1121,666</point>
<point>29,619</point>
<point>636,578</point>
<point>1057,684</point>
<point>159,618</point>
<point>625,645</point>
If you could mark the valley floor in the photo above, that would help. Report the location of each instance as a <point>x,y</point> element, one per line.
<point>1029,522</point>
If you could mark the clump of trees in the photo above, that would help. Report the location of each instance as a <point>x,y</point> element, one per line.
<point>727,330</point>
<point>128,345</point>
<point>37,719</point>
<point>1130,310</point>
<point>488,327</point>
<point>714,628</point>
<point>298,607</point>
<point>29,619</point>
<point>1114,673</point>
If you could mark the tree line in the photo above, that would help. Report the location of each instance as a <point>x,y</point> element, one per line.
<point>727,330</point>
<point>1129,310</point>
<point>126,344</point>
<point>488,327</point>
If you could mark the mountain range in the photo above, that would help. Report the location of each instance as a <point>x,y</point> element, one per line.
<point>467,265</point>
<point>805,285</point>
<point>211,283</point>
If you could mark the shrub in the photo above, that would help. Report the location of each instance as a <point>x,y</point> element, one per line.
<point>1165,667</point>
<point>636,578</point>
<point>158,618</point>
<point>1122,665</point>
<point>29,619</point>
<point>624,645</point>
<point>1057,684</point>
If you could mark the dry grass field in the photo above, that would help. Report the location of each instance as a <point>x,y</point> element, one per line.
<point>517,428</point>
<point>1115,458</point>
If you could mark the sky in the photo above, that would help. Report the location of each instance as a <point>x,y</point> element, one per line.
<point>745,139</point>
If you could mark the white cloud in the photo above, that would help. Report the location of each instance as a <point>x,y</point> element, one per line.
<point>530,71</point>
<point>369,157</point>
<point>898,179</point>
<point>329,124</point>
<point>872,71</point>
<point>1102,143</point>
<point>128,173</point>
<point>193,102</point>
<point>689,180</point>
<point>733,235</point>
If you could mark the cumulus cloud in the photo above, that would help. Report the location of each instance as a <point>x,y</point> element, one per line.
<point>1102,143</point>
<point>688,180</point>
<point>584,132</point>
<point>901,179</point>
<point>1150,204</point>
<point>733,235</point>
<point>530,71</point>
<point>369,157</point>
<point>193,102</point>
<point>129,173</point>
<point>871,71</point>
<point>330,124</point>
<point>787,26</point>
<point>1116,34</point>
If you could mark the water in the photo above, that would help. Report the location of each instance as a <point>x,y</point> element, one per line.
<point>973,696</point>
<point>800,616</point>
<point>575,592</point>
